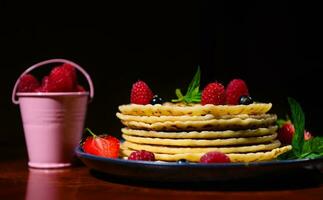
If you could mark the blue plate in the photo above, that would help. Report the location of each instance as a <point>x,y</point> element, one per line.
<point>196,172</point>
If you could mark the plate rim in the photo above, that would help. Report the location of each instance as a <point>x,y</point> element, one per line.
<point>81,154</point>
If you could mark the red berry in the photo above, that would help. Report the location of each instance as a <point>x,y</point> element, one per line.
<point>142,155</point>
<point>80,88</point>
<point>28,83</point>
<point>215,157</point>
<point>213,93</point>
<point>62,79</point>
<point>307,135</point>
<point>44,85</point>
<point>286,133</point>
<point>102,145</point>
<point>141,93</point>
<point>235,89</point>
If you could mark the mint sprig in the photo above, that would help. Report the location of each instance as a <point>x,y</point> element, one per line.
<point>298,120</point>
<point>193,93</point>
<point>312,148</point>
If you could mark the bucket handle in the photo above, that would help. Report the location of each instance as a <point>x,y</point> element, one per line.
<point>58,60</point>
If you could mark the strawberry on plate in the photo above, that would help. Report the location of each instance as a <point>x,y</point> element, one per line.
<point>101,145</point>
<point>307,135</point>
<point>286,133</point>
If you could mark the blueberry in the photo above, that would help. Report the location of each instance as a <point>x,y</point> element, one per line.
<point>182,161</point>
<point>245,100</point>
<point>157,100</point>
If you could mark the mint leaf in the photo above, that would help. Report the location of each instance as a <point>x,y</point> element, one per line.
<point>310,149</point>
<point>311,155</point>
<point>193,93</point>
<point>314,145</point>
<point>195,83</point>
<point>179,95</point>
<point>287,155</point>
<point>298,119</point>
<point>307,147</point>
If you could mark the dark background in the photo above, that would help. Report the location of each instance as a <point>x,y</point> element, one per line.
<point>275,47</point>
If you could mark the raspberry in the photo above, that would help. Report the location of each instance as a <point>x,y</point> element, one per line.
<point>215,157</point>
<point>142,155</point>
<point>28,83</point>
<point>235,89</point>
<point>44,85</point>
<point>62,79</point>
<point>80,88</point>
<point>213,93</point>
<point>141,93</point>
<point>286,133</point>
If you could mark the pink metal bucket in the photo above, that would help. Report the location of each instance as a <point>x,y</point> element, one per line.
<point>53,122</point>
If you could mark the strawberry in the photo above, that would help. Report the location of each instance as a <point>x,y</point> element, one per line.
<point>28,83</point>
<point>142,155</point>
<point>235,89</point>
<point>141,93</point>
<point>213,93</point>
<point>286,133</point>
<point>307,135</point>
<point>102,145</point>
<point>215,157</point>
<point>62,79</point>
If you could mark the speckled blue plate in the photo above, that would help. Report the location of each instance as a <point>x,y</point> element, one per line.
<point>196,172</point>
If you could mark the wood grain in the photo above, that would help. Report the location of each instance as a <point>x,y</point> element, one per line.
<point>17,181</point>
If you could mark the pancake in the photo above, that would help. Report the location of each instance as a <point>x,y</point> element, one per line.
<point>201,134</point>
<point>155,119</point>
<point>200,142</point>
<point>181,150</point>
<point>212,124</point>
<point>234,157</point>
<point>172,109</point>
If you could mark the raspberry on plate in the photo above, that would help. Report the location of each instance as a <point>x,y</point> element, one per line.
<point>235,89</point>
<point>213,93</point>
<point>142,155</point>
<point>215,157</point>
<point>28,83</point>
<point>141,93</point>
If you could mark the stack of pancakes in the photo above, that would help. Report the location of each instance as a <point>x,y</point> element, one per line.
<point>245,133</point>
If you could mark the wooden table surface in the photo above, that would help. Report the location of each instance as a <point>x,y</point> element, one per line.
<point>17,181</point>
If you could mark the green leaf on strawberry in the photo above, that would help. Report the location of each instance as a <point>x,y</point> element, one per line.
<point>193,93</point>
